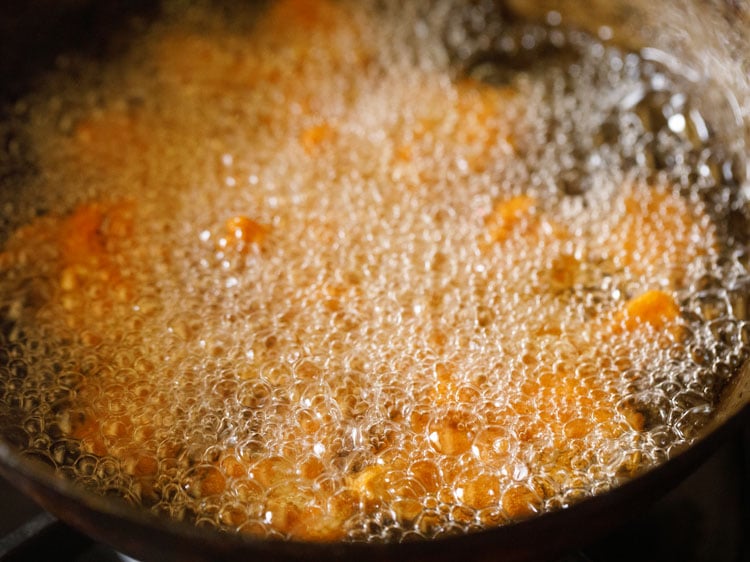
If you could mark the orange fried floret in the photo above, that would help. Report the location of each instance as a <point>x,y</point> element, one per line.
<point>656,309</point>
<point>333,29</point>
<point>111,140</point>
<point>387,483</point>
<point>294,16</point>
<point>94,230</point>
<point>84,244</point>
<point>509,216</point>
<point>480,491</point>
<point>470,116</point>
<point>313,138</point>
<point>306,515</point>
<point>82,270</point>
<point>89,431</point>
<point>88,240</point>
<point>196,59</point>
<point>520,502</point>
<point>243,232</point>
<point>482,108</point>
<point>659,232</point>
<point>453,433</point>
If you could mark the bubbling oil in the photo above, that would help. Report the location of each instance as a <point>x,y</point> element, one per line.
<point>358,272</point>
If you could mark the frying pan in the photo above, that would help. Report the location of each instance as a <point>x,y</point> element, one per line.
<point>706,37</point>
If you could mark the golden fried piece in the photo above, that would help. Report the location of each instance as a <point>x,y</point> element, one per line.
<point>659,233</point>
<point>313,139</point>
<point>242,233</point>
<point>87,283</point>
<point>484,122</point>
<point>511,216</point>
<point>655,309</point>
<point>469,119</point>
<point>275,54</point>
<point>192,59</point>
<point>113,142</point>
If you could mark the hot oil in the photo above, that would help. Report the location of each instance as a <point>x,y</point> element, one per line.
<point>357,274</point>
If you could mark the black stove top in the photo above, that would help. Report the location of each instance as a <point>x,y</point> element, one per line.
<point>706,518</point>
